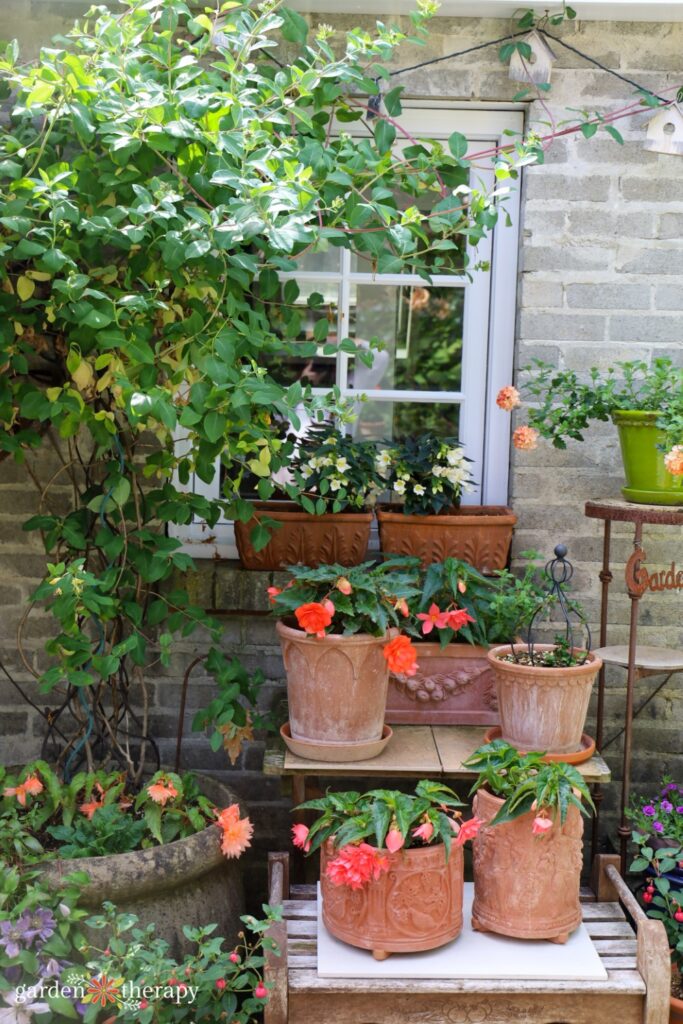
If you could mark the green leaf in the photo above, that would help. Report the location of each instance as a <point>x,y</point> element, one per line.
<point>294,28</point>
<point>616,135</point>
<point>385,135</point>
<point>588,130</point>
<point>458,145</point>
<point>215,424</point>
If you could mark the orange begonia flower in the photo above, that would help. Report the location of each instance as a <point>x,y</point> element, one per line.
<point>401,656</point>
<point>315,617</point>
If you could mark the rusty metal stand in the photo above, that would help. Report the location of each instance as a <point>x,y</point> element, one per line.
<point>610,510</point>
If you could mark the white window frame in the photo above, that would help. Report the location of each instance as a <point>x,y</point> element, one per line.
<point>489,312</point>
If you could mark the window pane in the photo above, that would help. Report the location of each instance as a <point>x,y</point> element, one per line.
<point>389,421</point>
<point>421,329</point>
<point>329,261</point>
<point>311,366</point>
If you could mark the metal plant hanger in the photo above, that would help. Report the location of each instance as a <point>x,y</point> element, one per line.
<point>559,572</point>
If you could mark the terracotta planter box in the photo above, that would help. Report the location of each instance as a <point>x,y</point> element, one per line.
<point>302,538</point>
<point>336,689</point>
<point>454,685</point>
<point>526,886</point>
<point>478,534</point>
<point>415,905</point>
<point>676,1012</point>
<point>542,708</point>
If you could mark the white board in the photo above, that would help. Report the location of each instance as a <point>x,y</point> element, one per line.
<point>471,955</point>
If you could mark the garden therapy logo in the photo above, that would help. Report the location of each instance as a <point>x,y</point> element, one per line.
<point>103,991</point>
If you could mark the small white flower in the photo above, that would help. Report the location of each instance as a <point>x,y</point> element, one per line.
<point>419,490</point>
<point>404,476</point>
<point>438,470</point>
<point>455,456</point>
<point>342,464</point>
<point>335,485</point>
<point>383,459</point>
<point>400,487</point>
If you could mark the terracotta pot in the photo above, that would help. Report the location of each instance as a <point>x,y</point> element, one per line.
<point>454,685</point>
<point>526,886</point>
<point>478,534</point>
<point>306,539</point>
<point>414,906</point>
<point>676,1011</point>
<point>336,686</point>
<point>542,708</point>
<point>188,882</point>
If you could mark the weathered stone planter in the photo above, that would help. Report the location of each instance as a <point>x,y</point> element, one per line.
<point>526,886</point>
<point>542,708</point>
<point>188,882</point>
<point>478,534</point>
<point>454,685</point>
<point>415,905</point>
<point>336,690</point>
<point>302,538</point>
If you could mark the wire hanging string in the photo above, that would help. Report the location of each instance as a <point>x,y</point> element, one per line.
<point>458,53</point>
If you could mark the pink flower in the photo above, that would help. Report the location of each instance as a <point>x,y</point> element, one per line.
<point>272,593</point>
<point>525,438</point>
<point>462,586</point>
<point>507,398</point>
<point>457,618</point>
<point>300,837</point>
<point>434,617</point>
<point>673,460</point>
<point>355,866</point>
<point>394,840</point>
<point>467,830</point>
<point>260,992</point>
<point>424,832</point>
<point>234,957</point>
<point>541,825</point>
<point>343,586</point>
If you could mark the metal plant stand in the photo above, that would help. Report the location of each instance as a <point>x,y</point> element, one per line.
<point>639,662</point>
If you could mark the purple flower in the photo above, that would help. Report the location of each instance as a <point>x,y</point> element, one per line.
<point>657,826</point>
<point>40,924</point>
<point>669,787</point>
<point>679,810</point>
<point>649,810</point>
<point>13,936</point>
<point>666,806</point>
<point>51,969</point>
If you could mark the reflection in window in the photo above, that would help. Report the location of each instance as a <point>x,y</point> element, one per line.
<point>389,421</point>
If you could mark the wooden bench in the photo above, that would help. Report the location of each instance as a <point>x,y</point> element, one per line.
<point>635,956</point>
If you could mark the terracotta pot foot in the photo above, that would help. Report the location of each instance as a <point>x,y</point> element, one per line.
<point>560,939</point>
<point>477,926</point>
<point>380,954</point>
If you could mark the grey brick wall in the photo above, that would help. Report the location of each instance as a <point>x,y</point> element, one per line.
<point>600,280</point>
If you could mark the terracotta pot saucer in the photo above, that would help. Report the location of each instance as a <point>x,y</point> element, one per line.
<point>328,751</point>
<point>576,757</point>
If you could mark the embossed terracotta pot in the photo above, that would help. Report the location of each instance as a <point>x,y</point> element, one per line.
<point>414,906</point>
<point>454,685</point>
<point>526,886</point>
<point>542,708</point>
<point>306,539</point>
<point>478,534</point>
<point>336,687</point>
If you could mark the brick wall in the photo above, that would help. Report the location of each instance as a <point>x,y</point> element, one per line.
<point>600,279</point>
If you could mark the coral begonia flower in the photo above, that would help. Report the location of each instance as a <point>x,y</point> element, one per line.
<point>31,786</point>
<point>673,460</point>
<point>90,808</point>
<point>355,866</point>
<point>236,837</point>
<point>300,837</point>
<point>525,438</point>
<point>343,586</point>
<point>272,593</point>
<point>434,617</point>
<point>507,398</point>
<point>401,656</point>
<point>394,840</point>
<point>458,618</point>
<point>228,816</point>
<point>162,792</point>
<point>467,830</point>
<point>315,617</point>
<point>541,825</point>
<point>424,832</point>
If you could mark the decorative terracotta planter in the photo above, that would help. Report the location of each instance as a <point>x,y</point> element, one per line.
<point>336,689</point>
<point>526,886</point>
<point>542,708</point>
<point>188,882</point>
<point>302,538</point>
<point>647,479</point>
<point>676,1011</point>
<point>478,534</point>
<point>414,906</point>
<point>454,685</point>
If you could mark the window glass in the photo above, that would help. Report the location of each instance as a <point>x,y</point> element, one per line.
<point>388,421</point>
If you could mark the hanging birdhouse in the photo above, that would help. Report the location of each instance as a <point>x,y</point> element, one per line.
<point>665,131</point>
<point>538,66</point>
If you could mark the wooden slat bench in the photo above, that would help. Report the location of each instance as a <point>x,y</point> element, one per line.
<point>636,990</point>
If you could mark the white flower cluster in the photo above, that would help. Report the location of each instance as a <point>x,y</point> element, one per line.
<point>451,466</point>
<point>338,466</point>
<point>454,469</point>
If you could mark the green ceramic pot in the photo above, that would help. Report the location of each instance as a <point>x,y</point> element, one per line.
<point>647,480</point>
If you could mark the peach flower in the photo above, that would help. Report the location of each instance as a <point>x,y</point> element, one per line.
<point>673,460</point>
<point>394,840</point>
<point>525,438</point>
<point>31,786</point>
<point>541,825</point>
<point>401,656</point>
<point>507,398</point>
<point>344,586</point>
<point>315,617</point>
<point>161,792</point>
<point>300,837</point>
<point>424,832</point>
<point>467,830</point>
<point>237,832</point>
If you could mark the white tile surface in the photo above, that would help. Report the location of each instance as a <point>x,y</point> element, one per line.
<point>471,955</point>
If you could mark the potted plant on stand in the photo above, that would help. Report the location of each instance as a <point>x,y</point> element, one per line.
<point>527,855</point>
<point>644,401</point>
<point>460,615</point>
<point>391,866</point>
<point>662,893</point>
<point>340,637</point>
<point>429,474</point>
<point>544,689</point>
<point>332,484</point>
